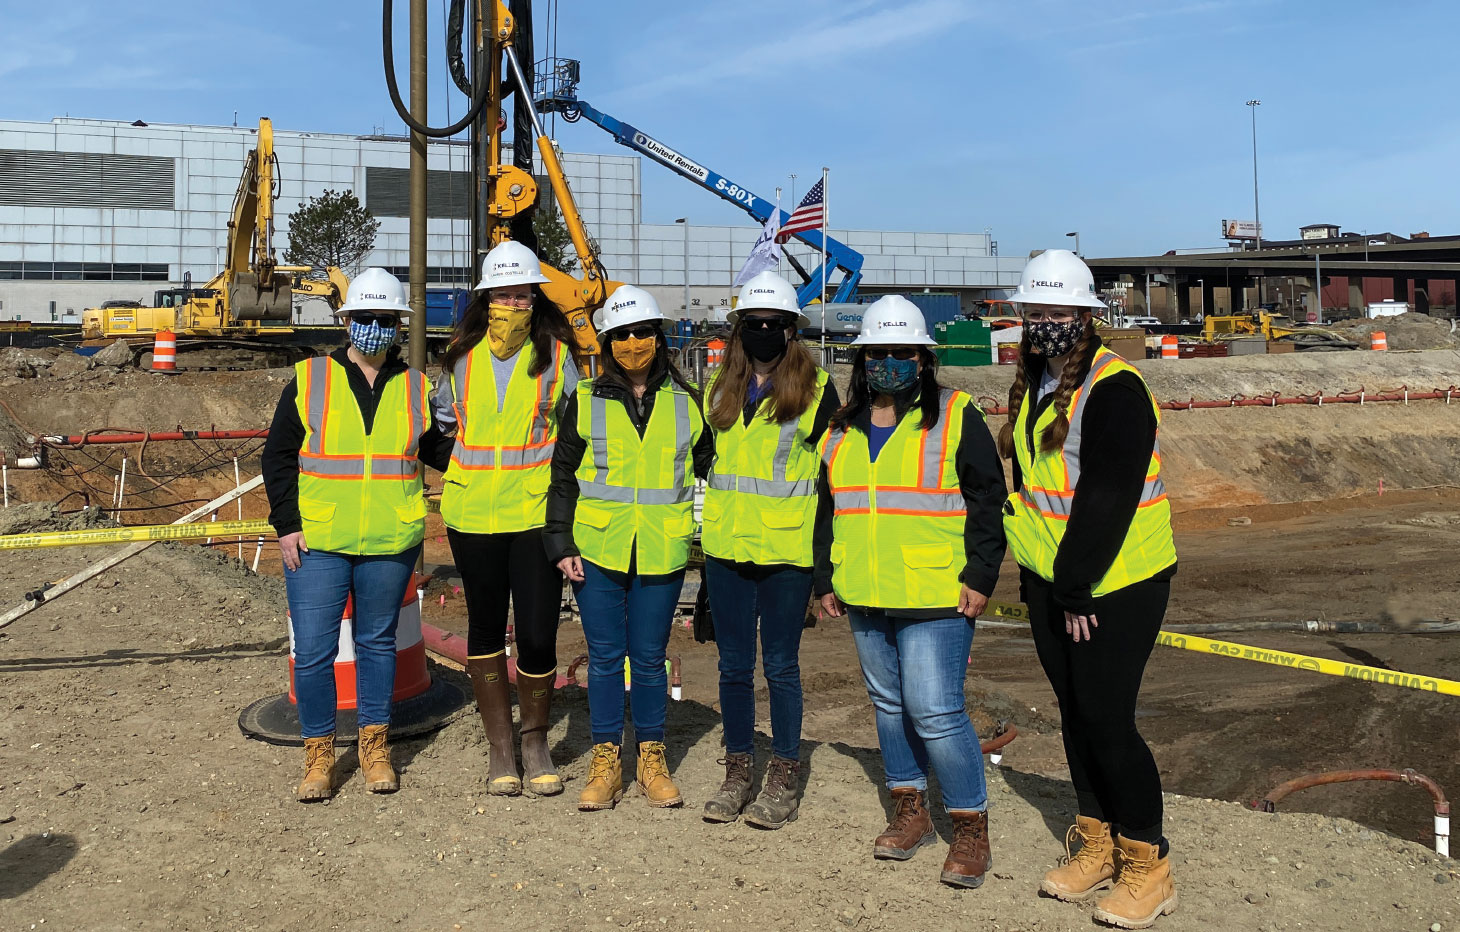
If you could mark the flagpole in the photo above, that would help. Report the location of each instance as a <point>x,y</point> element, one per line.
<point>778,224</point>
<point>825,216</point>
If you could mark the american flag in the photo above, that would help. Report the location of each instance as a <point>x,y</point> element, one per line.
<point>809,215</point>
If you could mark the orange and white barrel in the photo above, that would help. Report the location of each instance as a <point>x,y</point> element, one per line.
<point>164,351</point>
<point>411,676</point>
<point>1379,340</point>
<point>716,349</point>
<point>1169,349</point>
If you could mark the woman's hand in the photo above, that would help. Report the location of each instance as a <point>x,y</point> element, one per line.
<point>832,605</point>
<point>971,604</point>
<point>571,567</point>
<point>291,546</point>
<point>1077,625</point>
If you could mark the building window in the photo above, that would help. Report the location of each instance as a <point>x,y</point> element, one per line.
<point>33,178</point>
<point>436,273</point>
<point>84,271</point>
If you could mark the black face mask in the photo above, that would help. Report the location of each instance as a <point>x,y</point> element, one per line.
<point>764,345</point>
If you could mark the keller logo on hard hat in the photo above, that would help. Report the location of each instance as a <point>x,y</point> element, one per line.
<point>510,263</point>
<point>893,320</point>
<point>1057,277</point>
<point>768,291</point>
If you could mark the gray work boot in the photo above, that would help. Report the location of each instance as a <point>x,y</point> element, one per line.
<point>735,792</point>
<point>780,801</point>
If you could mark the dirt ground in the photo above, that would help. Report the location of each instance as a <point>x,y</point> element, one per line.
<point>129,799</point>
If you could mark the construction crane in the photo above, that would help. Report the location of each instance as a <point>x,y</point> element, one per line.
<point>237,306</point>
<point>557,92</point>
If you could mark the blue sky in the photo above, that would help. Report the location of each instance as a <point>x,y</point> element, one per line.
<point>1123,120</point>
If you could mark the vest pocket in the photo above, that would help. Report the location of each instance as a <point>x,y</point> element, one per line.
<point>784,518</point>
<point>680,526</point>
<point>412,511</point>
<point>927,556</point>
<point>314,510</point>
<point>930,575</point>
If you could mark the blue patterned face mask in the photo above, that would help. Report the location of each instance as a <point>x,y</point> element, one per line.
<point>890,376</point>
<point>371,339</point>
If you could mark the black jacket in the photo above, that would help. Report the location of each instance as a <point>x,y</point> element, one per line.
<point>1117,437</point>
<point>562,500</point>
<point>980,479</point>
<point>280,459</point>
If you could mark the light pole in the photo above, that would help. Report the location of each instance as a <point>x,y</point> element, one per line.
<point>1256,212</point>
<point>1201,289</point>
<point>685,221</point>
<point>1076,235</point>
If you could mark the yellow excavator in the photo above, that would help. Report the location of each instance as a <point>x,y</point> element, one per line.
<point>244,304</point>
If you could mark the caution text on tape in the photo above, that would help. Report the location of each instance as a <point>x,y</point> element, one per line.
<point>126,535</point>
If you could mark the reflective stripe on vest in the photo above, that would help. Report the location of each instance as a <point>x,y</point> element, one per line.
<point>1040,509</point>
<point>898,523</point>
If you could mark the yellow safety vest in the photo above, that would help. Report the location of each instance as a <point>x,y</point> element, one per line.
<point>1039,511</point>
<point>636,495</point>
<point>501,464</point>
<point>360,493</point>
<point>760,500</point>
<point>898,523</point>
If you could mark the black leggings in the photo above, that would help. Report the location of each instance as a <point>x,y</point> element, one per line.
<point>492,566</point>
<point>1096,683</point>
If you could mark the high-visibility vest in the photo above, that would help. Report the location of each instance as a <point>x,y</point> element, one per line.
<point>360,493</point>
<point>897,526</point>
<point>1039,510</point>
<point>636,495</point>
<point>501,464</point>
<point>760,500</point>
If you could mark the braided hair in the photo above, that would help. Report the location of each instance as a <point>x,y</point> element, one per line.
<point>1071,378</point>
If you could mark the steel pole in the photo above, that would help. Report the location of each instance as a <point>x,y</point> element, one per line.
<point>1256,210</point>
<point>686,267</point>
<point>419,98</point>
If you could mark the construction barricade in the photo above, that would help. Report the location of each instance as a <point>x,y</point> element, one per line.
<point>164,352</point>
<point>1379,341</point>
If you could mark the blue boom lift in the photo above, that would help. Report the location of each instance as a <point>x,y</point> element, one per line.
<point>557,92</point>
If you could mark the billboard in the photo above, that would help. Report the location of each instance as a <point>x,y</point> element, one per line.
<point>1239,229</point>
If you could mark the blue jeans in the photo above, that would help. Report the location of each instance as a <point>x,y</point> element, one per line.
<point>317,593</point>
<point>625,614</point>
<point>739,592</point>
<point>914,672</point>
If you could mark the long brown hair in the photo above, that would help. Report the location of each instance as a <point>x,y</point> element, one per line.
<point>1073,375</point>
<point>793,383</point>
<point>548,325</point>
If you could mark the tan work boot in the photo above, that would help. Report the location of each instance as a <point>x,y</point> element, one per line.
<point>1086,872</point>
<point>653,775</point>
<point>375,760</point>
<point>319,768</point>
<point>1143,888</point>
<point>494,703</point>
<point>605,779</point>
<point>535,700</point>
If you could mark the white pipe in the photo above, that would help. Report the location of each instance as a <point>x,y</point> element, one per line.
<point>121,488</point>
<point>258,552</point>
<point>237,483</point>
<point>5,483</point>
<point>1442,835</point>
<point>28,462</point>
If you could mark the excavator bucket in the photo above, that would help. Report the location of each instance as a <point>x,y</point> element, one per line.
<point>253,298</point>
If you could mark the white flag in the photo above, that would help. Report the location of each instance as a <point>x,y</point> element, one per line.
<point>766,253</point>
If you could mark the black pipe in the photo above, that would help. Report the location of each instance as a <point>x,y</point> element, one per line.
<point>388,55</point>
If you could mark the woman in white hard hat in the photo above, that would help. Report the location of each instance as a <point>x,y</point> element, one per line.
<point>768,405</point>
<point>619,523</point>
<point>1090,526</point>
<point>908,544</point>
<point>343,529</point>
<point>505,372</point>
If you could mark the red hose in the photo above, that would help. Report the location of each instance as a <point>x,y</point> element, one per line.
<point>1358,396</point>
<point>453,647</point>
<point>1442,805</point>
<point>93,437</point>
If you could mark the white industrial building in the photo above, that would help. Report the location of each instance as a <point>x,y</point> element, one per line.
<point>94,210</point>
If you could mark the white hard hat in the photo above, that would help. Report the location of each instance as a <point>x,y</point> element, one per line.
<point>1057,276</point>
<point>894,321</point>
<point>510,263</point>
<point>768,292</point>
<point>628,305</point>
<point>375,290</point>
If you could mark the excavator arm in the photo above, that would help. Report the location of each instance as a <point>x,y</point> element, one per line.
<point>251,286</point>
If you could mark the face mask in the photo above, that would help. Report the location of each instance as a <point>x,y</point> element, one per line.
<point>507,327</point>
<point>890,376</point>
<point>371,339</point>
<point>764,345</point>
<point>1051,338</point>
<point>634,354</point>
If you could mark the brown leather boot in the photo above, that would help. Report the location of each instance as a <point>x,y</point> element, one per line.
<point>535,700</point>
<point>375,760</point>
<point>780,801</point>
<point>494,702</point>
<point>605,785</point>
<point>911,826</point>
<point>1087,871</point>
<point>319,768</point>
<point>735,792</point>
<point>653,776</point>
<point>1143,888</point>
<point>968,857</point>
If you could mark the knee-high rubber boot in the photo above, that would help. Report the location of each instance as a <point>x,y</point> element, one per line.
<point>535,699</point>
<point>494,702</point>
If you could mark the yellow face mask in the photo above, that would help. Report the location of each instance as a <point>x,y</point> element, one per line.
<point>634,354</point>
<point>507,327</point>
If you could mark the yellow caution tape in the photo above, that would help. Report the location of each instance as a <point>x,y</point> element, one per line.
<point>1278,658</point>
<point>125,535</point>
